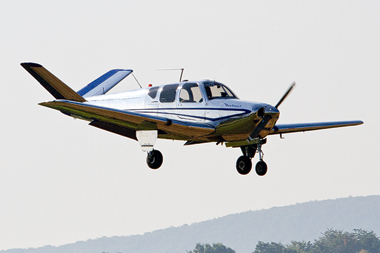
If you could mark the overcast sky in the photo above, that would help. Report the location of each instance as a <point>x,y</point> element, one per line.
<point>62,181</point>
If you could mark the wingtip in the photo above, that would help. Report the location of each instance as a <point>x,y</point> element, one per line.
<point>30,64</point>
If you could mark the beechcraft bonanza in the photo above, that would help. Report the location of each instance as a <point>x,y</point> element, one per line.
<point>195,112</point>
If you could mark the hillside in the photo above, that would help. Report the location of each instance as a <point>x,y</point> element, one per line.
<point>242,231</point>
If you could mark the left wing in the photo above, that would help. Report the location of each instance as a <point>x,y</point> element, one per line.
<point>126,122</point>
<point>302,127</point>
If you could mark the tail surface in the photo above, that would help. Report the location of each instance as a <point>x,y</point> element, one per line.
<point>51,83</point>
<point>104,83</point>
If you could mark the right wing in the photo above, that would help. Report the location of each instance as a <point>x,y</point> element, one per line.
<point>302,127</point>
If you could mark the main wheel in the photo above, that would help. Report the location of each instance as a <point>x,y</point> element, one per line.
<point>261,168</point>
<point>244,165</point>
<point>154,159</point>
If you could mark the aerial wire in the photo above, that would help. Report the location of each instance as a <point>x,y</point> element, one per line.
<point>137,81</point>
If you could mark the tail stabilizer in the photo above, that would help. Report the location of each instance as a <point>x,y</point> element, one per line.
<point>51,83</point>
<point>104,83</point>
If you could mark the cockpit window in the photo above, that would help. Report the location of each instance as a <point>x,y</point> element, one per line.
<point>190,93</point>
<point>218,90</point>
<point>168,93</point>
<point>153,92</point>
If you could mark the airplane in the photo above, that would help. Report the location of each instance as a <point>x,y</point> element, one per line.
<point>193,111</point>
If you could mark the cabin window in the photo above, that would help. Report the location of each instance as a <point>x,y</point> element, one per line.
<point>168,93</point>
<point>190,93</point>
<point>153,92</point>
<point>218,90</point>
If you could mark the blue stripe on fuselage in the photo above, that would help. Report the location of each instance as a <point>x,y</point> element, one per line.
<point>157,110</point>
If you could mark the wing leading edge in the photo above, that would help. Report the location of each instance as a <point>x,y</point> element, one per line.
<point>302,127</point>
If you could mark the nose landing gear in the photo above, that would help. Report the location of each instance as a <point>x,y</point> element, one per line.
<point>261,168</point>
<point>244,163</point>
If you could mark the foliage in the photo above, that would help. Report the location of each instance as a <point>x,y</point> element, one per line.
<point>334,241</point>
<point>331,241</point>
<point>216,248</point>
<point>272,247</point>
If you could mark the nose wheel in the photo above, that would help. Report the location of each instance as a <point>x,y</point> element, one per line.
<point>261,168</point>
<point>244,163</point>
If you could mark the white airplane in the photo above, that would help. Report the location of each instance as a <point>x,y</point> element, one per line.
<point>192,111</point>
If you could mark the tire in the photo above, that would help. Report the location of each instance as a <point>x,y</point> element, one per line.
<point>154,159</point>
<point>261,168</point>
<point>243,165</point>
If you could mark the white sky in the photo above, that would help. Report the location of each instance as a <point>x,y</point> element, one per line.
<point>63,181</point>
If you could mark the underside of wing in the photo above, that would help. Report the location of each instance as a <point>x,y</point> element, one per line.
<point>126,123</point>
<point>302,127</point>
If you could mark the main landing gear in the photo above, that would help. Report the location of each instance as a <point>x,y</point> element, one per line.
<point>147,138</point>
<point>154,159</point>
<point>244,163</point>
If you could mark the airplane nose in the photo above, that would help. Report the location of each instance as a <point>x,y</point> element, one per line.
<point>265,109</point>
<point>271,110</point>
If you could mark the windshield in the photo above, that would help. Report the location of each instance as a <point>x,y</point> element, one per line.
<point>218,90</point>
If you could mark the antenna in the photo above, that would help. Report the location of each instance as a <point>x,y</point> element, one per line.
<point>137,80</point>
<point>182,70</point>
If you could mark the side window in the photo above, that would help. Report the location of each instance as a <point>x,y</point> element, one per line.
<point>153,92</point>
<point>190,93</point>
<point>168,93</point>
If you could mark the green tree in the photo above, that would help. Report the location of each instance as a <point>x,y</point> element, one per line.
<point>336,241</point>
<point>339,241</point>
<point>302,246</point>
<point>272,247</point>
<point>367,240</point>
<point>331,241</point>
<point>216,248</point>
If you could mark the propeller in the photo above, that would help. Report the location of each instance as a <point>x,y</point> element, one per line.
<point>285,95</point>
<point>266,118</point>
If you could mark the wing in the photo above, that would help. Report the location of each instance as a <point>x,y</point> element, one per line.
<point>302,127</point>
<point>127,122</point>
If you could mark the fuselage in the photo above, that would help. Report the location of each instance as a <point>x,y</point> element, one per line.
<point>205,102</point>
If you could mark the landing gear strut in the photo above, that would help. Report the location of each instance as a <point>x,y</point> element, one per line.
<point>261,166</point>
<point>154,159</point>
<point>147,138</point>
<point>244,163</point>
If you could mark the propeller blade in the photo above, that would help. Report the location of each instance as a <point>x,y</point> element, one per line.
<point>285,95</point>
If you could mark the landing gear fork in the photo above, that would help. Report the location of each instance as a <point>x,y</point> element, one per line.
<point>244,163</point>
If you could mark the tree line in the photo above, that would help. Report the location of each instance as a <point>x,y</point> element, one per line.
<point>334,241</point>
